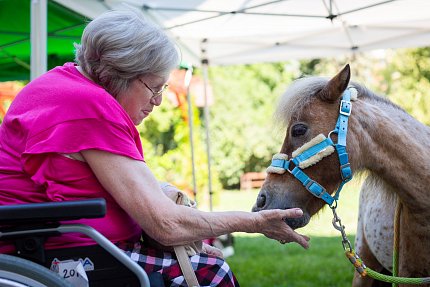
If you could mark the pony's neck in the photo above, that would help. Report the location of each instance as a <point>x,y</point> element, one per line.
<point>394,146</point>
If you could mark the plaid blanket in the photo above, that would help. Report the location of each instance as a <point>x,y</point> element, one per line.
<point>210,270</point>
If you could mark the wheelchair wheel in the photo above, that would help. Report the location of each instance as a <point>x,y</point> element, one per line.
<point>18,272</point>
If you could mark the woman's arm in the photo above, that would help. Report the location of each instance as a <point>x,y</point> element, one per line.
<point>137,191</point>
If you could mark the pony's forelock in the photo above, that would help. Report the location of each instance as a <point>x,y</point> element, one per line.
<point>295,98</point>
<point>301,91</point>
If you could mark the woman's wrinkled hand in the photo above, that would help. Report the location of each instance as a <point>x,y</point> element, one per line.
<point>272,224</point>
<point>211,250</point>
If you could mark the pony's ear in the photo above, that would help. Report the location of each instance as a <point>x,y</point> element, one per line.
<point>335,87</point>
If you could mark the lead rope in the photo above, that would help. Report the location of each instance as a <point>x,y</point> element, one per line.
<point>396,242</point>
<point>358,263</point>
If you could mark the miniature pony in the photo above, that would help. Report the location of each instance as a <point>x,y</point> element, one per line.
<point>381,139</point>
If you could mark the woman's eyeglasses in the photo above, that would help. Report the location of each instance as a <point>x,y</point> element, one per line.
<point>154,93</point>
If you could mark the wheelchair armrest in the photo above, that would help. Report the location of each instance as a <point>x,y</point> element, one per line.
<point>52,211</point>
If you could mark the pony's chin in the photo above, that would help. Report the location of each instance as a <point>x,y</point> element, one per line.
<point>295,223</point>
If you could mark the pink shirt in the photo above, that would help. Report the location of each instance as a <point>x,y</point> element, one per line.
<point>64,112</point>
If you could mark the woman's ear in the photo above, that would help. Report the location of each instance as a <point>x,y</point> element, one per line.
<point>336,86</point>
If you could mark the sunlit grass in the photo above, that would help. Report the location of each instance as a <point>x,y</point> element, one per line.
<point>262,262</point>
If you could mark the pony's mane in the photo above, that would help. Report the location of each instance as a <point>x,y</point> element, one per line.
<point>296,97</point>
<point>302,90</point>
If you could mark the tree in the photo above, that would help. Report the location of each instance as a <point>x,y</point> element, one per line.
<point>242,130</point>
<point>410,85</point>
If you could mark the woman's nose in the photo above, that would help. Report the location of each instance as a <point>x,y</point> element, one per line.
<point>156,101</point>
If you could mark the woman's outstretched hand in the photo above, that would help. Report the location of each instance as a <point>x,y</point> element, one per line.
<point>271,223</point>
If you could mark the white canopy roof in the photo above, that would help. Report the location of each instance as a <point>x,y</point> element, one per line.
<point>247,31</point>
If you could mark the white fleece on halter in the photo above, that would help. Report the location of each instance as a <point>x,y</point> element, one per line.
<point>354,93</point>
<point>307,163</point>
<point>278,170</point>
<point>316,158</point>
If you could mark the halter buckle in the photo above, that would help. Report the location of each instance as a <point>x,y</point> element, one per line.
<point>308,185</point>
<point>345,108</point>
<point>345,178</point>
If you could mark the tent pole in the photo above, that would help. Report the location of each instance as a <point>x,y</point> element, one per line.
<point>38,37</point>
<point>205,64</point>
<point>187,81</point>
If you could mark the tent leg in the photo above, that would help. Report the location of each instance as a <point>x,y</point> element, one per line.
<point>38,38</point>
<point>187,81</point>
<point>206,117</point>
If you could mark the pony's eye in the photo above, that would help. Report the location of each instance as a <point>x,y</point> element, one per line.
<point>299,130</point>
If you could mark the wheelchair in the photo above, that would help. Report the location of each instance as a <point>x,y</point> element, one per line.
<point>27,226</point>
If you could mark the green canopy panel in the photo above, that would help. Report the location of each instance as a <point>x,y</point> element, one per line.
<point>64,28</point>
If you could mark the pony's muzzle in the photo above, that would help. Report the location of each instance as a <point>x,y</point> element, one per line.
<point>295,223</point>
<point>266,201</point>
<point>261,201</point>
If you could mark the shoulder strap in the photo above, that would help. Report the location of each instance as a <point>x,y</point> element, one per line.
<point>185,264</point>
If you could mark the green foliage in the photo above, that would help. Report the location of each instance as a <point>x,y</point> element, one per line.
<point>367,69</point>
<point>241,117</point>
<point>166,144</point>
<point>402,75</point>
<point>309,67</point>
<point>410,86</point>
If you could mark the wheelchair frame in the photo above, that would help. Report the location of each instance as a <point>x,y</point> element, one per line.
<point>24,220</point>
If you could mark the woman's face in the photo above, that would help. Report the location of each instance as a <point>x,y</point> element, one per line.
<point>140,98</point>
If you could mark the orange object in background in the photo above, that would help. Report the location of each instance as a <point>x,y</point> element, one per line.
<point>8,91</point>
<point>177,93</point>
<point>252,180</point>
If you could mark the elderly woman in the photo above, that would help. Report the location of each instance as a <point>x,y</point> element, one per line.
<point>70,134</point>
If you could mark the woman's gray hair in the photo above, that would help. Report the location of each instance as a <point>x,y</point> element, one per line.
<point>119,46</point>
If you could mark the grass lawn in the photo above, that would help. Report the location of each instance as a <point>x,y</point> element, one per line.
<point>262,262</point>
<point>259,261</point>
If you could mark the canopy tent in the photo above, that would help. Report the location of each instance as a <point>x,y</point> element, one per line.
<point>228,32</point>
<point>64,27</point>
<point>248,31</point>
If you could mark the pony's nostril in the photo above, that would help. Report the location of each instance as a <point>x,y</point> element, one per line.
<point>261,201</point>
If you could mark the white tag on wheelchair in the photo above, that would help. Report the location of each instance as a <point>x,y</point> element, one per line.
<point>73,271</point>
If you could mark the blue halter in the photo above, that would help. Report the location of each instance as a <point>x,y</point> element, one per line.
<point>341,129</point>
